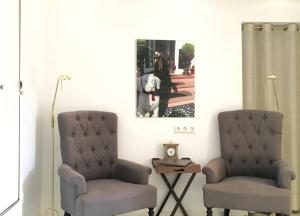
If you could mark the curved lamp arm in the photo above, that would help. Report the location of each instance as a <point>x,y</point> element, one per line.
<point>60,78</point>
<point>273,78</point>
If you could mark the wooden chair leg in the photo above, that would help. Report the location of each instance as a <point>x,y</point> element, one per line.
<point>67,214</point>
<point>226,212</point>
<point>209,211</point>
<point>150,212</point>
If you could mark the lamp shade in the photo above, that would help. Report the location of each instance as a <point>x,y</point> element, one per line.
<point>272,77</point>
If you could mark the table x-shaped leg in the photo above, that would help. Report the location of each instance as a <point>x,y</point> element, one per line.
<point>171,191</point>
<point>182,196</point>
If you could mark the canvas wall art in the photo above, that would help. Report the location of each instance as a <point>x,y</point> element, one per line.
<point>165,71</point>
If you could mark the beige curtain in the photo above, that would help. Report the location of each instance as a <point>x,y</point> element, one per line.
<point>275,49</point>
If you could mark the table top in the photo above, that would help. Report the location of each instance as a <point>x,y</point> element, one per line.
<point>190,168</point>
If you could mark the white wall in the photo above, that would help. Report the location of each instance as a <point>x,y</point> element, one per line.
<point>94,42</point>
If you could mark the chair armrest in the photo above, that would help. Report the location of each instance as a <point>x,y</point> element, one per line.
<point>132,172</point>
<point>215,170</point>
<point>73,178</point>
<point>282,173</point>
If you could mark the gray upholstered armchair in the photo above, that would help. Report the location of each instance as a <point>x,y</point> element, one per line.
<point>250,174</point>
<point>93,181</point>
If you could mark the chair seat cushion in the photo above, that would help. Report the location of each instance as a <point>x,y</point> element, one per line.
<point>247,193</point>
<point>112,196</point>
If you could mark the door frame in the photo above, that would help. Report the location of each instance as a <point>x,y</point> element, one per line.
<point>19,111</point>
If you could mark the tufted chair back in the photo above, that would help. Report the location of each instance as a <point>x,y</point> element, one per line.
<point>250,141</point>
<point>88,141</point>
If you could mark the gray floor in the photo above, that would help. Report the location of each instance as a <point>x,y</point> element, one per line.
<point>216,212</point>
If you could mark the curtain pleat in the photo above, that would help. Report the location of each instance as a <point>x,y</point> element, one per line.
<point>249,64</point>
<point>266,51</point>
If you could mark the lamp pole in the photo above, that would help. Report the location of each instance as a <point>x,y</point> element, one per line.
<point>60,79</point>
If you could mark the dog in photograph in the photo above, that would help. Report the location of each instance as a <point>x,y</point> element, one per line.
<point>148,101</point>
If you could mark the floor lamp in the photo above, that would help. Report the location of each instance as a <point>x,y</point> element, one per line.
<point>60,79</point>
<point>273,78</point>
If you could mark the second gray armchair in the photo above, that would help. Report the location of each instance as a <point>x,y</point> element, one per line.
<point>250,175</point>
<point>93,180</point>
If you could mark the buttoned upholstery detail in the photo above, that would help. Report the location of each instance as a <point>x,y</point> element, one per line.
<point>93,180</point>
<point>89,142</point>
<point>250,174</point>
<point>250,142</point>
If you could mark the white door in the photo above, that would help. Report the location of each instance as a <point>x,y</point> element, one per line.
<point>9,104</point>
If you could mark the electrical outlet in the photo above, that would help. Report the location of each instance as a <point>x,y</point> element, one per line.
<point>184,129</point>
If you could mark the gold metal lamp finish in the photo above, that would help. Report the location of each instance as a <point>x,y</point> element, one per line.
<point>60,79</point>
<point>273,77</point>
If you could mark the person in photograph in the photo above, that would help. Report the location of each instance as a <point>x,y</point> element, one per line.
<point>162,71</point>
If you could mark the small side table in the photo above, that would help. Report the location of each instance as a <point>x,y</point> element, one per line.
<point>192,168</point>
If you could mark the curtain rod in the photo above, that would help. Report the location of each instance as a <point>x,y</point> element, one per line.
<point>260,27</point>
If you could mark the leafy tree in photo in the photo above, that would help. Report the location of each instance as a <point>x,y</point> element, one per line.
<point>186,54</point>
<point>188,50</point>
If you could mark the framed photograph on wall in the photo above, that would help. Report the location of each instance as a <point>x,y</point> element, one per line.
<point>165,71</point>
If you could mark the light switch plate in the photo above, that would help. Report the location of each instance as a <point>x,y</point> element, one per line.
<point>184,129</point>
